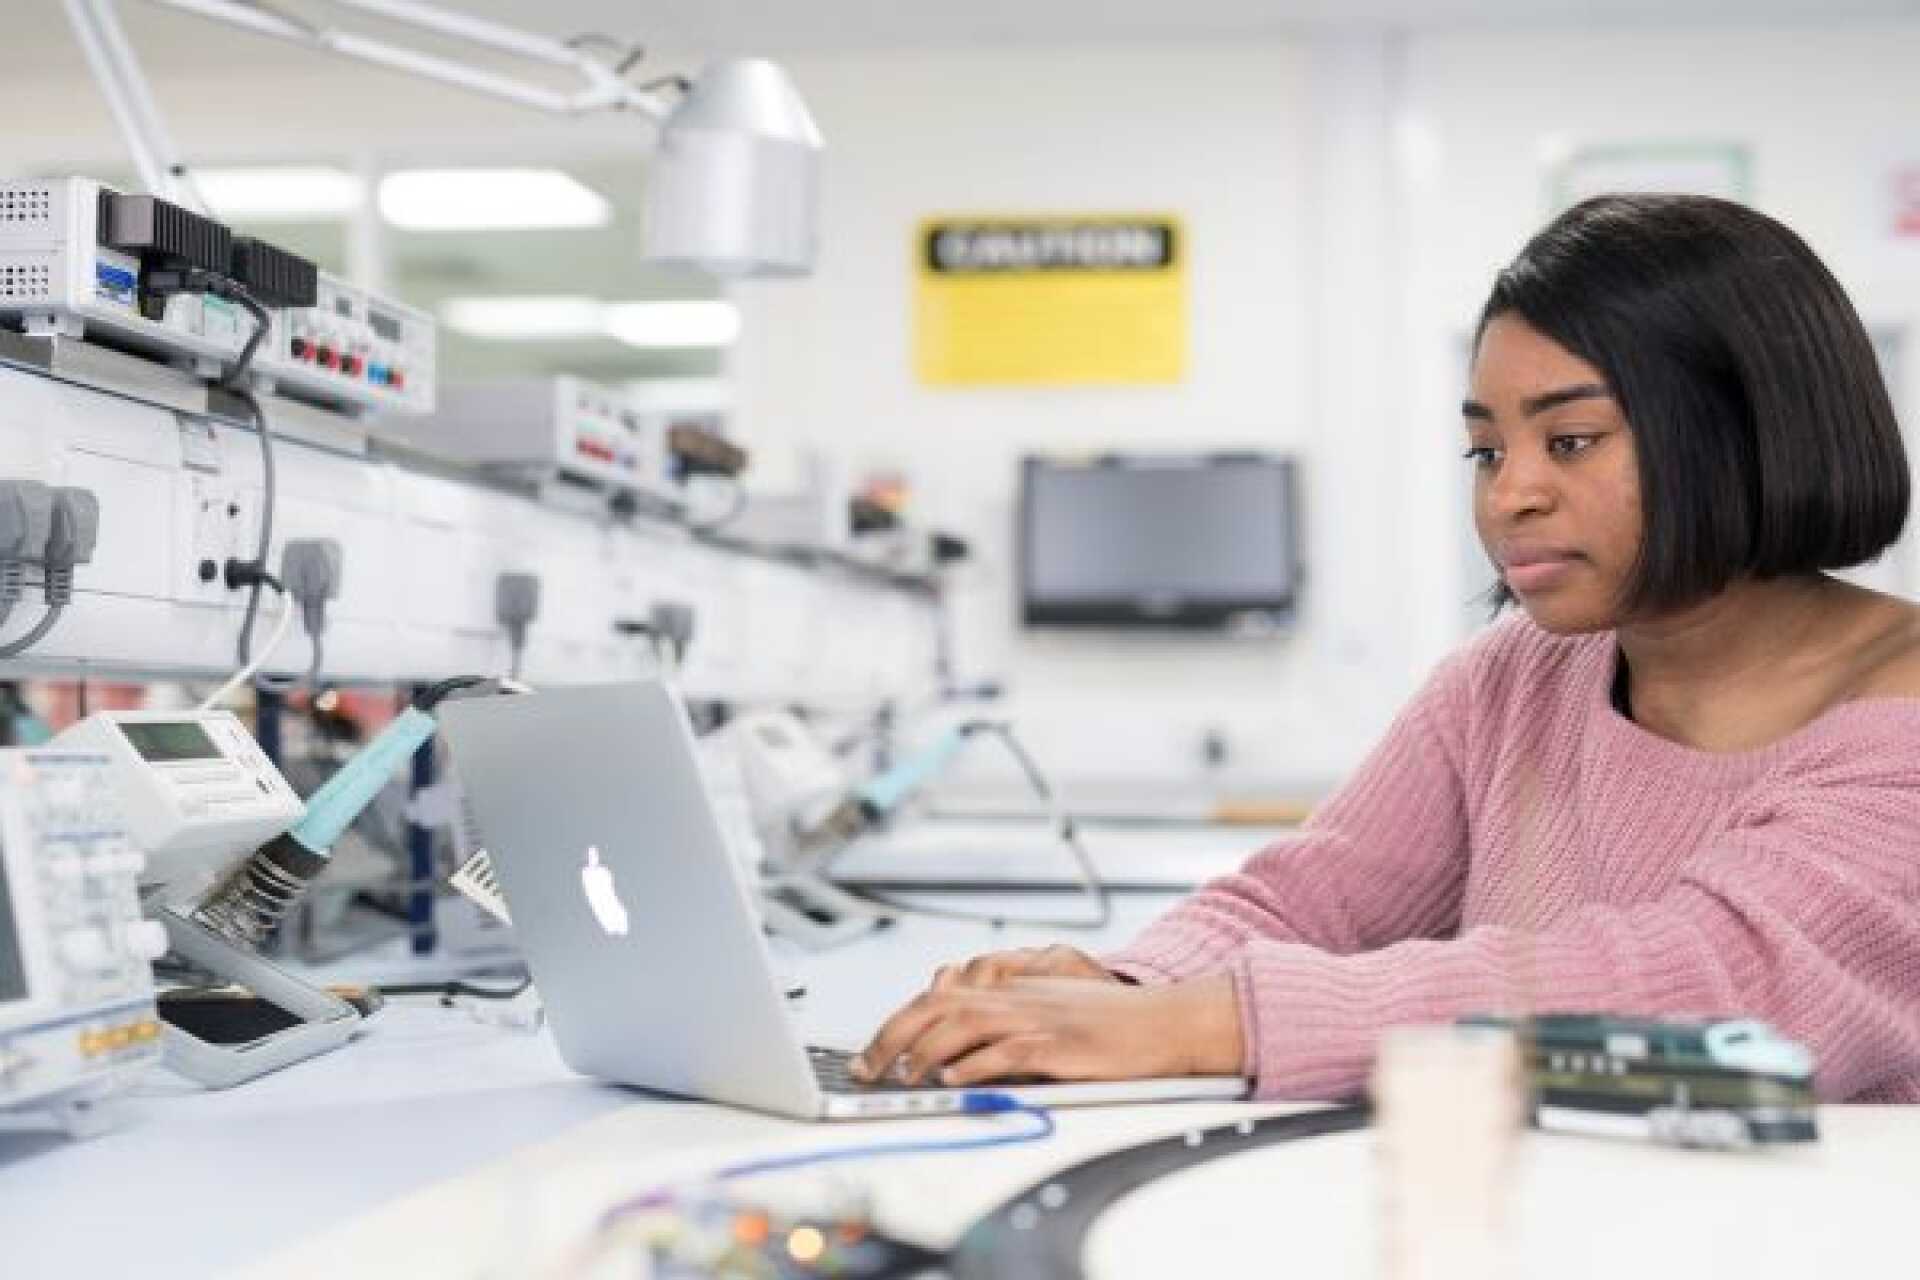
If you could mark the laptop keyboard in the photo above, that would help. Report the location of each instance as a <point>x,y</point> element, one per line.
<point>833,1068</point>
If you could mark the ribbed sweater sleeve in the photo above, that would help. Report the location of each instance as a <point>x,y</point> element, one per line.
<point>1383,859</point>
<point>1804,911</point>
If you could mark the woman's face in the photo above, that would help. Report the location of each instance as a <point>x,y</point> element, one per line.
<point>1556,492</point>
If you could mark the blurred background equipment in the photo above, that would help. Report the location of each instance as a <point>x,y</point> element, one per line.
<point>810,808</point>
<point>553,431</point>
<point>77,1017</point>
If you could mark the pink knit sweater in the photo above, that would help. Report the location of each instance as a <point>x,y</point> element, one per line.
<point>1516,843</point>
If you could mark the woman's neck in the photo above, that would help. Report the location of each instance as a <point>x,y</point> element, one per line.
<point>1750,665</point>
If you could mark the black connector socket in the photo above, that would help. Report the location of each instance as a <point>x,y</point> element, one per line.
<point>274,276</point>
<point>164,234</point>
<point>240,574</point>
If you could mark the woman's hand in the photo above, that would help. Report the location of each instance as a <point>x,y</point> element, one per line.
<point>1059,1029</point>
<point>996,967</point>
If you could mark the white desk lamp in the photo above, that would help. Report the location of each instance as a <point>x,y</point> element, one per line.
<point>733,184</point>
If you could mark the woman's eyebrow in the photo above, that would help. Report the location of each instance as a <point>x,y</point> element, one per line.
<point>1536,405</point>
<point>1539,404</point>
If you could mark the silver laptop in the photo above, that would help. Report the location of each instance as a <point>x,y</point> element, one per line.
<point>636,921</point>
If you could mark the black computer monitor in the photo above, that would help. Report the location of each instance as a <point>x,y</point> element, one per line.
<point>1198,541</point>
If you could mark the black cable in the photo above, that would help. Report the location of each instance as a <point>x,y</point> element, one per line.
<point>679,83</point>
<point>587,39</point>
<point>434,694</point>
<point>269,484</point>
<point>261,321</point>
<point>448,990</point>
<point>627,54</point>
<point>48,621</point>
<point>235,382</point>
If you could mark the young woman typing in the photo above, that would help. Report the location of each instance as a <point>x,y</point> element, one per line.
<point>1684,781</point>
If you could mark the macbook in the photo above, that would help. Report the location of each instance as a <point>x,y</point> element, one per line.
<point>637,923</point>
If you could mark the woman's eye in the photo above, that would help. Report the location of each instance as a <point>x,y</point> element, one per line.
<point>1482,456</point>
<point>1568,446</point>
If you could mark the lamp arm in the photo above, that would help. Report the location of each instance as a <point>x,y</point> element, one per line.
<point>96,27</point>
<point>602,88</point>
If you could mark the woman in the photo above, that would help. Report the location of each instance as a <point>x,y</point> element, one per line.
<point>1686,781</point>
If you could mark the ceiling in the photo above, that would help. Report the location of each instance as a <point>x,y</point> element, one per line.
<point>37,35</point>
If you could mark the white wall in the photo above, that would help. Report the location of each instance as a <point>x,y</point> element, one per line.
<point>1227,138</point>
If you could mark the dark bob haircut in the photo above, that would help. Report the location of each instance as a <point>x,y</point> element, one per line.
<point>1766,440</point>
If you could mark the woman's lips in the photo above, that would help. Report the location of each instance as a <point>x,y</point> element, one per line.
<point>1540,572</point>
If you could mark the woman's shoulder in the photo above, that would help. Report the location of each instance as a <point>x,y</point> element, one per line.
<point>1871,729</point>
<point>1889,664</point>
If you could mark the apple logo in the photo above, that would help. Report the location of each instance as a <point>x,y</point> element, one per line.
<point>597,879</point>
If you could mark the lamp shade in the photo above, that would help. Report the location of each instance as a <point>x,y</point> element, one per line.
<point>734,183</point>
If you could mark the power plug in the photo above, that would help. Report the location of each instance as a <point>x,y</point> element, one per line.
<point>310,570</point>
<point>69,525</point>
<point>26,523</point>
<point>673,625</point>
<point>516,603</point>
<point>71,541</point>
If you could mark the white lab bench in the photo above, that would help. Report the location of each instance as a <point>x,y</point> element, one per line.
<point>438,1145</point>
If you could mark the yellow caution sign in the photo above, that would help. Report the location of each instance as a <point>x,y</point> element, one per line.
<point>1050,301</point>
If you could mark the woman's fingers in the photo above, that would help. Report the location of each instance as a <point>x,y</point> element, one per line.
<point>1015,1055</point>
<point>964,1026</point>
<point>997,967</point>
<point>896,1034</point>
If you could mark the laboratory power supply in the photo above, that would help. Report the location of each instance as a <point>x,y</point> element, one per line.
<point>570,430</point>
<point>355,347</point>
<point>77,1013</point>
<point>81,260</point>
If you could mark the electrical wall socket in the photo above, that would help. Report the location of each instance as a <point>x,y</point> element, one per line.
<point>219,521</point>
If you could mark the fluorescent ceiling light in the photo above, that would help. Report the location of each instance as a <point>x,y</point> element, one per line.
<point>525,319</point>
<point>489,200</point>
<point>674,324</point>
<point>281,194</point>
<point>638,324</point>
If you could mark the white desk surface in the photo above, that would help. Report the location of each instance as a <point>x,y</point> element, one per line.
<point>440,1146</point>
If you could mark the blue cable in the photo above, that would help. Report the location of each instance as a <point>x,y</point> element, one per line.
<point>975,1102</point>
